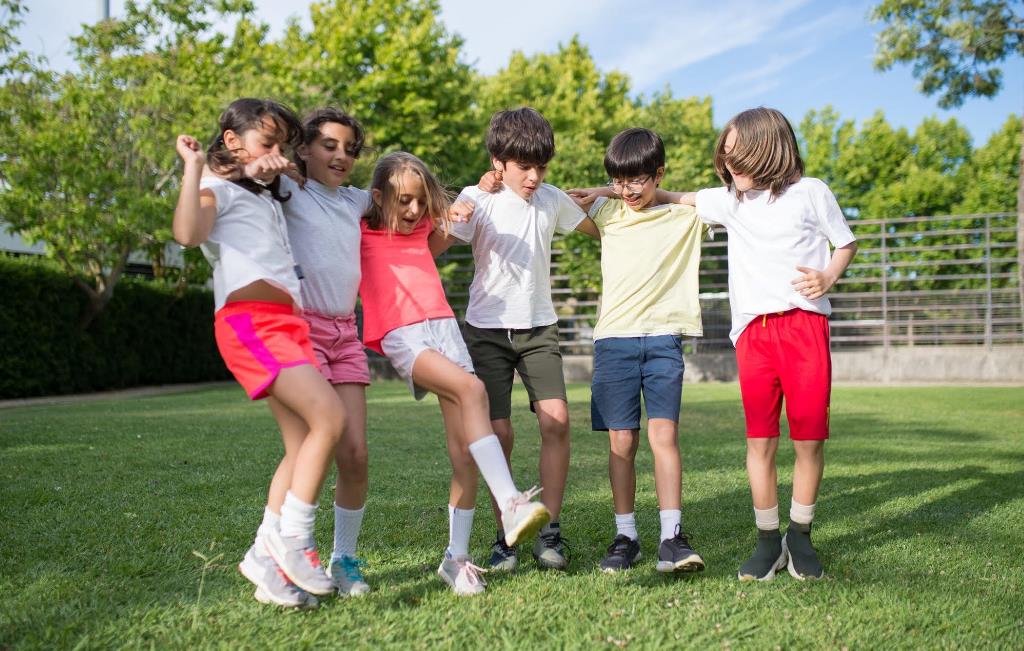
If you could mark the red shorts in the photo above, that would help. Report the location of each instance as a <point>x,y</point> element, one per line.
<point>786,354</point>
<point>257,339</point>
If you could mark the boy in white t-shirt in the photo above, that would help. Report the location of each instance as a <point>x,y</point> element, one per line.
<point>511,323</point>
<point>780,225</point>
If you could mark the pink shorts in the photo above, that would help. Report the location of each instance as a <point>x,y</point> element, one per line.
<point>337,348</point>
<point>786,355</point>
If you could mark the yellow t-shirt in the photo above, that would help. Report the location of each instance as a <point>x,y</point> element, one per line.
<point>649,265</point>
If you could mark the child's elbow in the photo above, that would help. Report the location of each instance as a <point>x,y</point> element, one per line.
<point>186,237</point>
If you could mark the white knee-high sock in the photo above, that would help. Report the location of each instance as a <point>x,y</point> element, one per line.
<point>297,518</point>
<point>460,525</point>
<point>491,461</point>
<point>347,523</point>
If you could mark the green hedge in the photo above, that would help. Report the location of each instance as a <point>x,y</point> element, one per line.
<point>145,336</point>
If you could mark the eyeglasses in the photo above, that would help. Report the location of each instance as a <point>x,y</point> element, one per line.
<point>636,186</point>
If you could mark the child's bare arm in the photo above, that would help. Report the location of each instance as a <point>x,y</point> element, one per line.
<point>196,209</point>
<point>459,212</point>
<point>490,181</point>
<point>585,197</point>
<point>814,284</point>
<point>685,198</point>
<point>588,227</point>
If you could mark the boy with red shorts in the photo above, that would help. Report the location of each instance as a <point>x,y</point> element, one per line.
<point>780,225</point>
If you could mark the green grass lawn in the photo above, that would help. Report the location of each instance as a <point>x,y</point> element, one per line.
<point>920,525</point>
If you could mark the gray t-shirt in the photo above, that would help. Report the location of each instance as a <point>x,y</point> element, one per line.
<point>323,226</point>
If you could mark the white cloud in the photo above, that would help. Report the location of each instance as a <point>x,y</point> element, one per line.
<point>770,69</point>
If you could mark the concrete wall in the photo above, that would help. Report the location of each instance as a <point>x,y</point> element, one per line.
<point>904,364</point>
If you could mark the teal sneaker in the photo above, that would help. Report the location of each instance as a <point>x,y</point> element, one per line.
<point>347,576</point>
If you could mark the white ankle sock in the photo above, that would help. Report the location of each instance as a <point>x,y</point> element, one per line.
<point>347,523</point>
<point>801,513</point>
<point>460,525</point>
<point>491,461</point>
<point>297,518</point>
<point>767,519</point>
<point>625,525</point>
<point>670,519</point>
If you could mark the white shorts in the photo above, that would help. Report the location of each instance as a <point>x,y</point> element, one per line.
<point>403,345</point>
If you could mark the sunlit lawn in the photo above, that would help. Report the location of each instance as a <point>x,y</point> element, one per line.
<point>920,525</point>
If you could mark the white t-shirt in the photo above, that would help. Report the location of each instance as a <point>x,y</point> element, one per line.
<point>323,226</point>
<point>768,239</point>
<point>248,242</point>
<point>511,240</point>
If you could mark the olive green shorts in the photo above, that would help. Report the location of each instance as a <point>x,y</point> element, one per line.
<point>533,352</point>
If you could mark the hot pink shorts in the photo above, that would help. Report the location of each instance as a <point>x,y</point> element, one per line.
<point>337,348</point>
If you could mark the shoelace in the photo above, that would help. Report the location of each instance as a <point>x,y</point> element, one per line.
<point>553,538</point>
<point>682,537</point>
<point>619,546</point>
<point>351,566</point>
<point>473,573</point>
<point>522,499</point>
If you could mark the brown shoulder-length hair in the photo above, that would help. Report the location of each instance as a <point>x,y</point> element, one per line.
<point>387,178</point>
<point>765,150</point>
<point>241,116</point>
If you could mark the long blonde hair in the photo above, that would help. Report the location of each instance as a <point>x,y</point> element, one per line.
<point>766,150</point>
<point>387,177</point>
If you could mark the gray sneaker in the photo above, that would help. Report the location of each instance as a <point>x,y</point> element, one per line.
<point>464,578</point>
<point>310,602</point>
<point>299,561</point>
<point>503,558</point>
<point>550,550</point>
<point>347,576</point>
<point>676,555</point>
<point>521,518</point>
<point>769,557</point>
<point>272,586</point>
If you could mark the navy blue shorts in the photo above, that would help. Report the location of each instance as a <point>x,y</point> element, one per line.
<point>625,367</point>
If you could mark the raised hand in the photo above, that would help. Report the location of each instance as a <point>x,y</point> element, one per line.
<point>813,284</point>
<point>461,211</point>
<point>491,181</point>
<point>190,150</point>
<point>266,167</point>
<point>585,197</point>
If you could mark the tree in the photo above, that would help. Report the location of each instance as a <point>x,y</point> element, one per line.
<point>90,166</point>
<point>955,46</point>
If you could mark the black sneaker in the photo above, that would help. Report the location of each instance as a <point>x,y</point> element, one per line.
<point>769,556</point>
<point>622,553</point>
<point>503,557</point>
<point>803,559</point>
<point>550,549</point>
<point>676,555</point>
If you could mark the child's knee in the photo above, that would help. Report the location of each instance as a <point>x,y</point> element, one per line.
<point>554,427</point>
<point>623,442</point>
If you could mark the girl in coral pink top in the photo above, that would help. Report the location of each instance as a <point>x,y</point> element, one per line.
<point>407,318</point>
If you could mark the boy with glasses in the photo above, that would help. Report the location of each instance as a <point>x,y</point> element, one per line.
<point>511,325</point>
<point>649,259</point>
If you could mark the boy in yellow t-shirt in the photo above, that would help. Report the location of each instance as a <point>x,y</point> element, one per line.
<point>649,259</point>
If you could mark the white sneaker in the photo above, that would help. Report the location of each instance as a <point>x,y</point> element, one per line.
<point>272,586</point>
<point>347,576</point>
<point>522,519</point>
<point>299,561</point>
<point>460,573</point>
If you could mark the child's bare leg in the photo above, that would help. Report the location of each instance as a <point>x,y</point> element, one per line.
<point>506,436</point>
<point>807,470</point>
<point>305,392</point>
<point>663,435</point>
<point>293,433</point>
<point>553,421</point>
<point>761,471</point>
<point>462,490</point>
<point>351,454</point>
<point>623,444</point>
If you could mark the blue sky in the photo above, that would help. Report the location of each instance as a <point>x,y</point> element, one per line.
<point>794,55</point>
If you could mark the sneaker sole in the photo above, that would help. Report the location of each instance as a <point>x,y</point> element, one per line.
<point>529,527</point>
<point>777,565</point>
<point>341,593</point>
<point>690,564</point>
<point>792,568</point>
<point>271,544</point>
<point>268,595</point>
<point>451,584</point>
<point>263,597</point>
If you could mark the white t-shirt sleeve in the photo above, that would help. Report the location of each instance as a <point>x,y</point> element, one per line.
<point>830,216</point>
<point>568,215</point>
<point>716,205</point>
<point>220,189</point>
<point>465,230</point>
